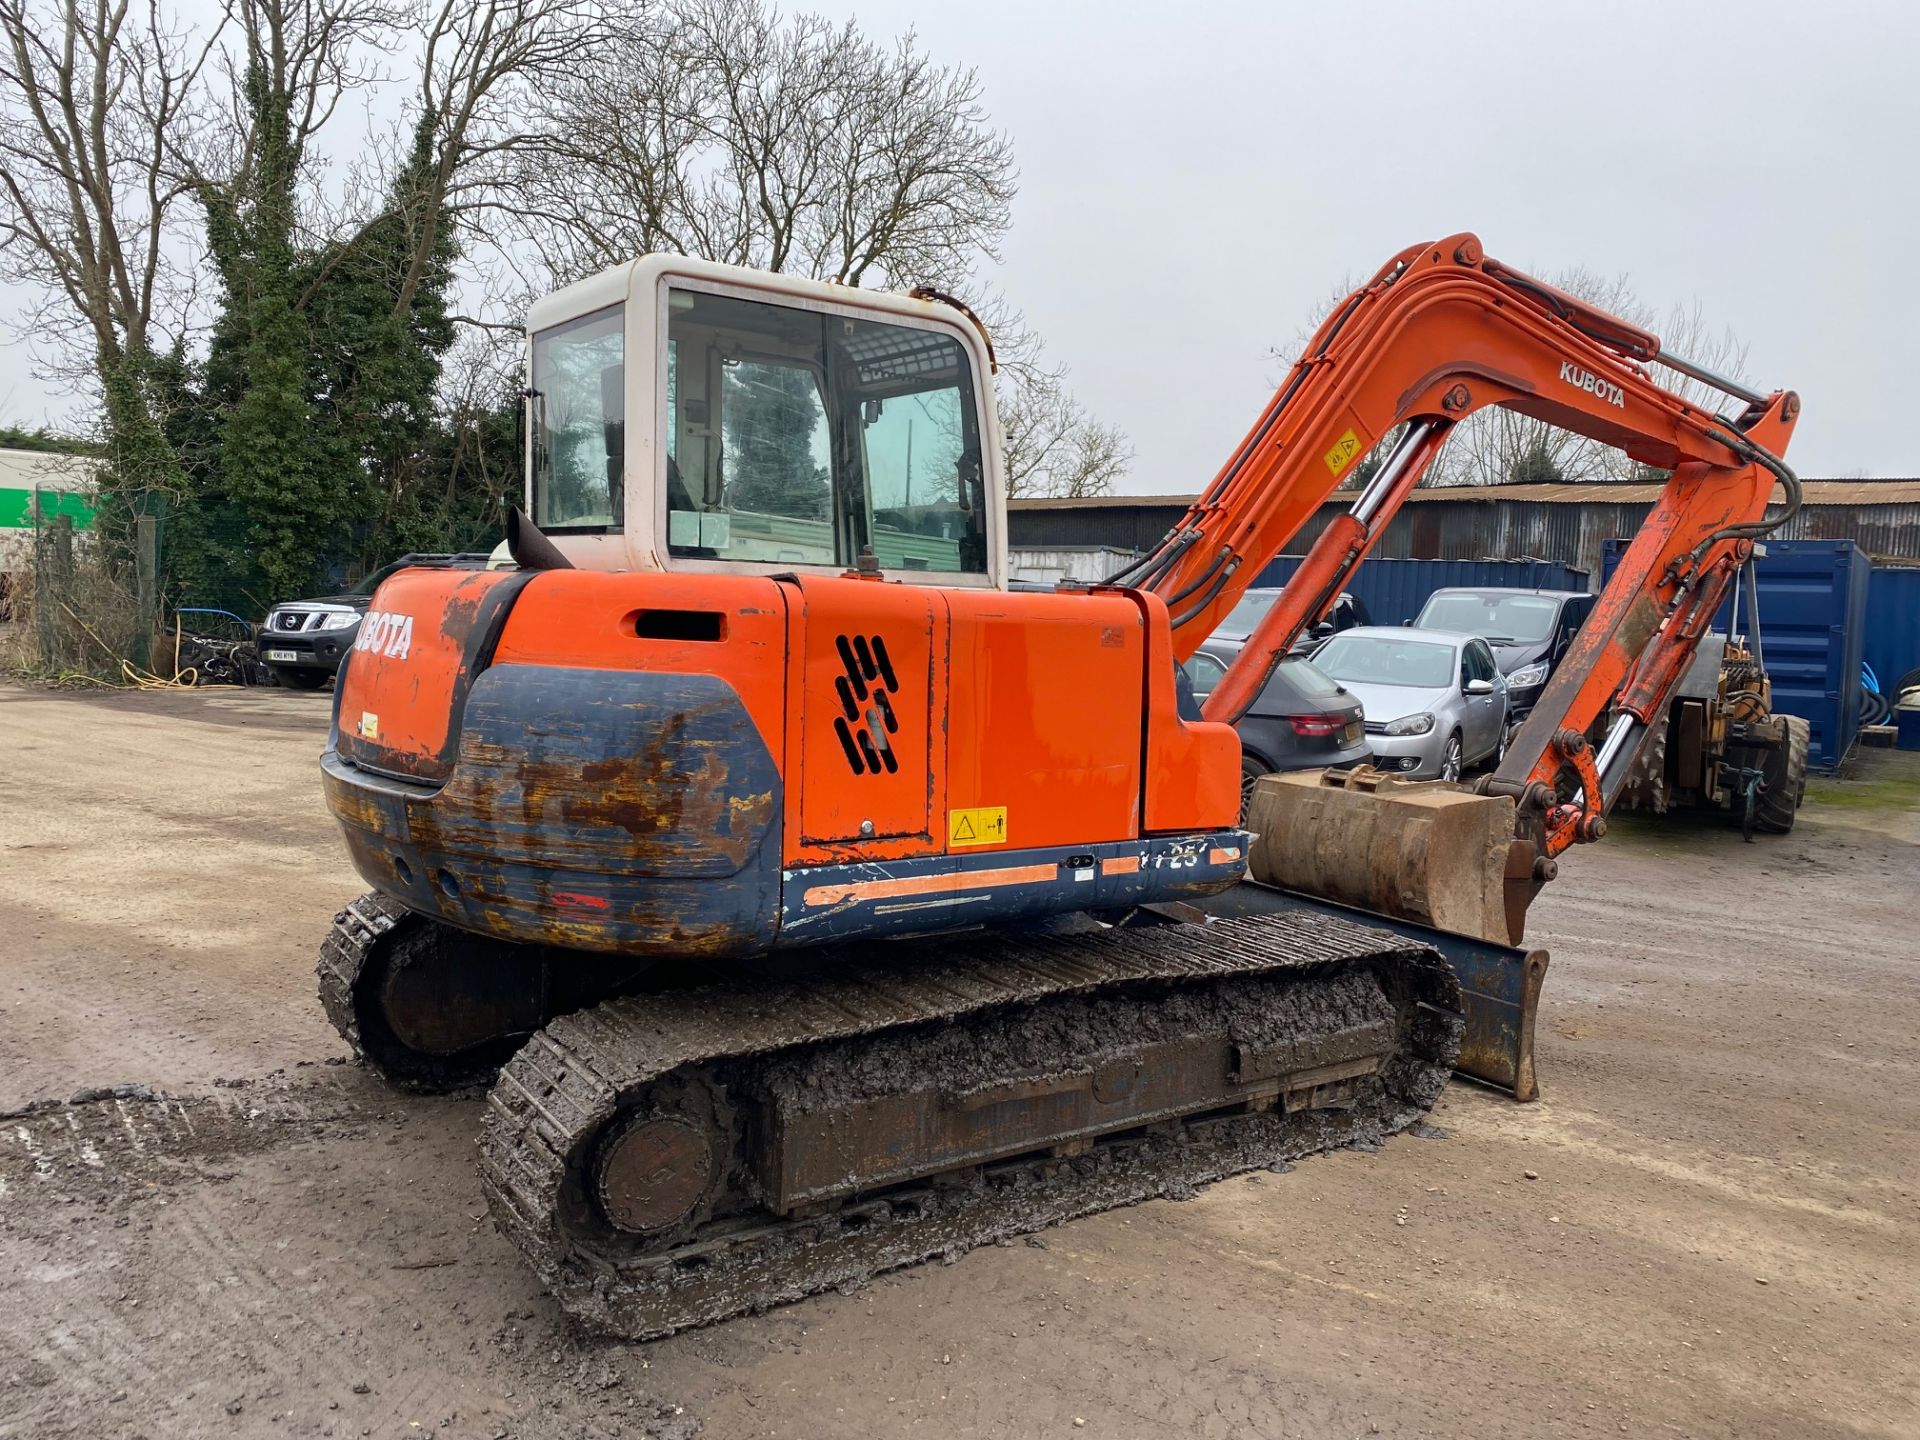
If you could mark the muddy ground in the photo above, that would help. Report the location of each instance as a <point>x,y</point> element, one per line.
<point>1707,1227</point>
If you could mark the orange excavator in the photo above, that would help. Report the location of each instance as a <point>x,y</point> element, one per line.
<point>824,903</point>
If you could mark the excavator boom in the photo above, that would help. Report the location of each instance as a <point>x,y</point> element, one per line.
<point>1440,332</point>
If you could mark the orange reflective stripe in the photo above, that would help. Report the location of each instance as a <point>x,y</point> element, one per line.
<point>927,884</point>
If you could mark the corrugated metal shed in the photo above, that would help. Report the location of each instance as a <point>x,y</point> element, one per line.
<point>45,470</point>
<point>1133,523</point>
<point>39,482</point>
<point>1569,524</point>
<point>1072,562</point>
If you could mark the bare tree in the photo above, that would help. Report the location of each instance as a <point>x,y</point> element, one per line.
<point>486,68</point>
<point>93,100</point>
<point>1054,448</point>
<point>479,63</point>
<point>1495,446</point>
<point>288,65</point>
<point>722,129</point>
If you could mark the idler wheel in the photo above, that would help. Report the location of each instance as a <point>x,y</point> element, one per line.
<point>652,1172</point>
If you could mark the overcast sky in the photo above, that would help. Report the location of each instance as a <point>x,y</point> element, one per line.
<point>1196,178</point>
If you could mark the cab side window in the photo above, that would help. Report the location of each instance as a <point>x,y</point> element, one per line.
<point>1204,671</point>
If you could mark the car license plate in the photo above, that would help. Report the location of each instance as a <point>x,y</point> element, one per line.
<point>282,655</point>
<point>1351,735</point>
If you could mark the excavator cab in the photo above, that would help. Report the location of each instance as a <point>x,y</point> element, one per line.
<point>696,418</point>
<point>757,683</point>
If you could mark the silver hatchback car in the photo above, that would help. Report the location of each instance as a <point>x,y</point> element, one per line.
<point>1435,702</point>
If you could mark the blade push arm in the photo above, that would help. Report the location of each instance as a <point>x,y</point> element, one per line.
<point>1440,332</point>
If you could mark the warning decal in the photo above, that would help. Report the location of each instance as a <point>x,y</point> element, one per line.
<point>981,825</point>
<point>1342,453</point>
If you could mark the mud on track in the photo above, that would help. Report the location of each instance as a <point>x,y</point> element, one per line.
<point>1732,1089</point>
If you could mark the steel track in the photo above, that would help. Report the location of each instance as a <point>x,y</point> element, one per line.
<point>589,1070</point>
<point>366,937</point>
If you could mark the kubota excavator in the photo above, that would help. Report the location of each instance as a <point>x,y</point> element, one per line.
<point>826,904</point>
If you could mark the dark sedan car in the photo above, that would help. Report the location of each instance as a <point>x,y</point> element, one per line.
<point>1302,720</point>
<point>1529,631</point>
<point>302,641</point>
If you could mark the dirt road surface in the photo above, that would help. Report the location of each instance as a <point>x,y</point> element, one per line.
<point>1708,1226</point>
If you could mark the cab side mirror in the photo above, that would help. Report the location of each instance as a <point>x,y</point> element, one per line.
<point>1479,687</point>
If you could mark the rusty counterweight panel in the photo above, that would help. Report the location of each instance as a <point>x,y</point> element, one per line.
<point>602,810</point>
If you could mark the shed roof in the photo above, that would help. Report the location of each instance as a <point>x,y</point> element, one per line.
<point>1592,492</point>
<point>1817,492</point>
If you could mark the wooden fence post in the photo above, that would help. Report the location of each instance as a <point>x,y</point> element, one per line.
<point>146,586</point>
<point>43,587</point>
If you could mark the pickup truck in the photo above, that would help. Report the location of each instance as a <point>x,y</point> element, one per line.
<point>303,641</point>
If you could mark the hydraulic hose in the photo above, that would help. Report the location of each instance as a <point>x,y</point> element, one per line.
<point>1757,453</point>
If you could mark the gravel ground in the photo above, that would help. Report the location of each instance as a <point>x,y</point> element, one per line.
<point>210,1225</point>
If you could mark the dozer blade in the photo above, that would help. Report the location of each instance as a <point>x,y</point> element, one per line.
<point>673,1159</point>
<point>1432,862</point>
<point>1499,984</point>
<point>1424,851</point>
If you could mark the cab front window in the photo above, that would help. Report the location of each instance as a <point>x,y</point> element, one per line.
<point>796,437</point>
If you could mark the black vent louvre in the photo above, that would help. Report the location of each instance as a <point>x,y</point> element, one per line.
<point>866,719</point>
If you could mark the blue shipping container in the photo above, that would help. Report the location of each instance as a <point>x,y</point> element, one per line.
<point>1813,621</point>
<point>1394,590</point>
<point>1892,645</point>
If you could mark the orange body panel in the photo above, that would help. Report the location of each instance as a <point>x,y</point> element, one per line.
<point>1051,718</point>
<point>590,619</point>
<point>1045,715</point>
<point>867,679</point>
<point>408,659</point>
<point>1193,768</point>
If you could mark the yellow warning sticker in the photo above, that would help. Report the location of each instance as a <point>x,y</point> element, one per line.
<point>981,825</point>
<point>1343,451</point>
<point>369,725</point>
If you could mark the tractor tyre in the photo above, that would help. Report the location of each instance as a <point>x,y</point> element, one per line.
<point>1786,772</point>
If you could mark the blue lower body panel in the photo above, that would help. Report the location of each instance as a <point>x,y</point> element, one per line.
<point>619,811</point>
<point>943,892</point>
